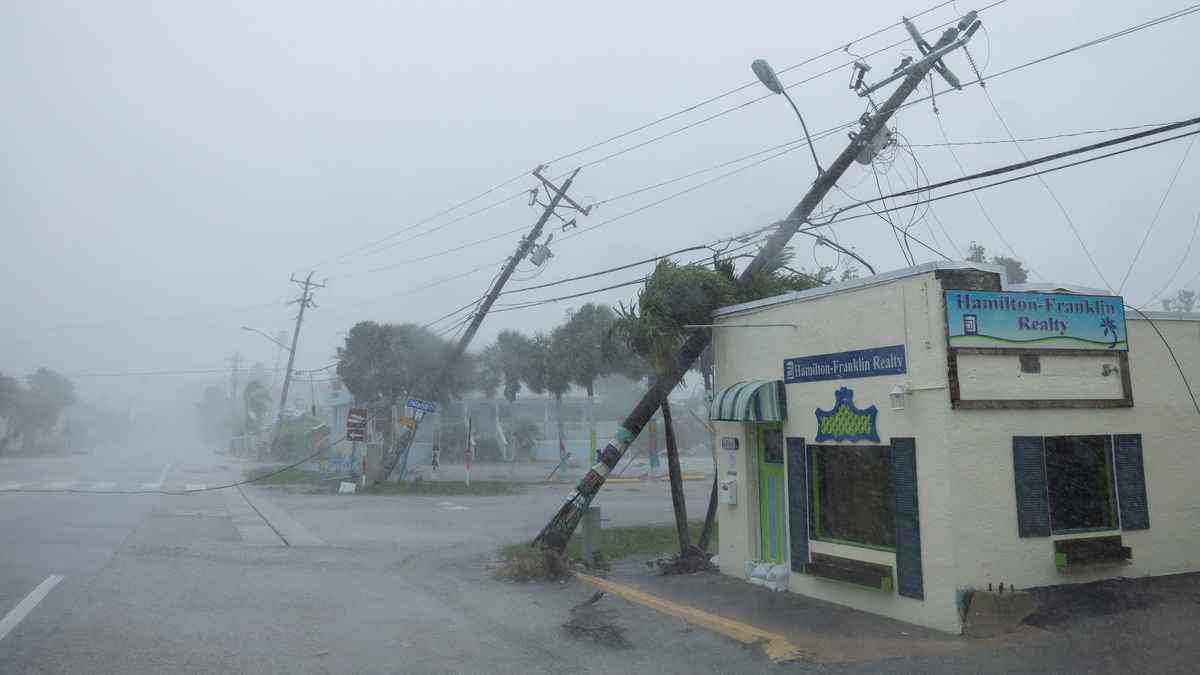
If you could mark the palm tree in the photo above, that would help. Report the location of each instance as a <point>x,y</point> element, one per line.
<point>653,328</point>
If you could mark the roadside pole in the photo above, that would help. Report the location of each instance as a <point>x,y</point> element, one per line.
<point>558,531</point>
<point>527,243</point>
<point>305,301</point>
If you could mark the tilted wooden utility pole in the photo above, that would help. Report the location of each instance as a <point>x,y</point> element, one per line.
<point>527,243</point>
<point>558,531</point>
<point>305,301</point>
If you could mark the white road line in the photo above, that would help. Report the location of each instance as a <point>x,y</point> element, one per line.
<point>60,485</point>
<point>10,486</point>
<point>194,487</point>
<point>26,606</point>
<point>150,486</point>
<point>445,503</point>
<point>105,486</point>
<point>458,508</point>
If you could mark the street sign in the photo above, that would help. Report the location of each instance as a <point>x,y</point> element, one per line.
<point>423,406</point>
<point>406,421</point>
<point>356,424</point>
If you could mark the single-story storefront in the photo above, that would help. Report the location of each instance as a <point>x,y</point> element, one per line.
<point>894,442</point>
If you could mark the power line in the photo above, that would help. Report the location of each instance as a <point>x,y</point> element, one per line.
<point>1182,259</point>
<point>978,202</point>
<point>1032,139</point>
<point>1157,212</point>
<point>1054,196</point>
<point>665,118</point>
<point>795,144</point>
<point>835,218</point>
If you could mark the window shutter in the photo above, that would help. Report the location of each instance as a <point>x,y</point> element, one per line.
<point>1131,482</point>
<point>797,477</point>
<point>1029,473</point>
<point>909,581</point>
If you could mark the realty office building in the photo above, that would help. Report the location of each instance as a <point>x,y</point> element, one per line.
<point>895,442</point>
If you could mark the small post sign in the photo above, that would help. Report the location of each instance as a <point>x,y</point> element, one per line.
<point>356,424</point>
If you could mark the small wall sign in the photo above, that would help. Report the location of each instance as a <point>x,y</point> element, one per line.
<point>845,422</point>
<point>729,443</point>
<point>872,362</point>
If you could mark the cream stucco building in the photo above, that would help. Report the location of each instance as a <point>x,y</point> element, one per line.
<point>894,442</point>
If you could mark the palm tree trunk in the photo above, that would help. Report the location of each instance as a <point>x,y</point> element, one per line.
<point>681,522</point>
<point>711,515</point>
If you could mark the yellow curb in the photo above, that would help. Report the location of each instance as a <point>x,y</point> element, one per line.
<point>686,476</point>
<point>777,647</point>
<point>623,480</point>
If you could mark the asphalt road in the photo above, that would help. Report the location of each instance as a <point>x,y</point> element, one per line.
<point>266,580</point>
<point>262,580</point>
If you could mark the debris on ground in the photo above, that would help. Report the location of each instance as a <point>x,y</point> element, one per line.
<point>589,622</point>
<point>533,564</point>
<point>693,559</point>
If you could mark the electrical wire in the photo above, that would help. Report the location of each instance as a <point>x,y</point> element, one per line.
<point>652,123</point>
<point>1032,139</point>
<point>1053,195</point>
<point>1170,351</point>
<point>1182,259</point>
<point>793,145</point>
<point>1006,181</point>
<point>1157,212</point>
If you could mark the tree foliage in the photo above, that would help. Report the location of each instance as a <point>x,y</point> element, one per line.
<point>1183,302</point>
<point>256,401</point>
<point>382,361</point>
<point>1015,269</point>
<point>583,334</point>
<point>512,351</point>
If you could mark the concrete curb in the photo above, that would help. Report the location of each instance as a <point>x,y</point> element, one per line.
<point>777,647</point>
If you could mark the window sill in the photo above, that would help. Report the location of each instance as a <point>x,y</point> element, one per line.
<point>854,572</point>
<point>1088,554</point>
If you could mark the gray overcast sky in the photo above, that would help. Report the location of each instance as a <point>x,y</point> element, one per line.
<point>167,165</point>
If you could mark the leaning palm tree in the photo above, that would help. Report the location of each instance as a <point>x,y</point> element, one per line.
<point>653,327</point>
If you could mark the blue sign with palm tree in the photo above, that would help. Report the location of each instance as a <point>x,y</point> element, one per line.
<point>1009,320</point>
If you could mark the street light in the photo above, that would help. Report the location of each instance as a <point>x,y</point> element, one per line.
<point>277,342</point>
<point>766,75</point>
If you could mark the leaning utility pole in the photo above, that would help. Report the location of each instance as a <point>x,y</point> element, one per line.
<point>558,531</point>
<point>305,301</point>
<point>528,242</point>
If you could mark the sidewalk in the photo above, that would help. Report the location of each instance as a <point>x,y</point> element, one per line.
<point>824,632</point>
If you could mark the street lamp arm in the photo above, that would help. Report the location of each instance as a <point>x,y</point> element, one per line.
<point>277,342</point>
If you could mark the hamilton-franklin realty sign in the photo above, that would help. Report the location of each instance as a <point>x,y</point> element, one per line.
<point>1004,320</point>
<point>845,365</point>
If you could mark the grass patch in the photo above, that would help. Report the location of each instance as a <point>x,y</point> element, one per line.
<point>521,562</point>
<point>438,488</point>
<point>623,542</point>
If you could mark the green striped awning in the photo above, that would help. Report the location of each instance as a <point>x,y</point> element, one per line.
<point>750,401</point>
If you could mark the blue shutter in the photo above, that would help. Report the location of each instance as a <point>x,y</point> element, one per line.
<point>1029,473</point>
<point>1131,482</point>
<point>909,581</point>
<point>797,477</point>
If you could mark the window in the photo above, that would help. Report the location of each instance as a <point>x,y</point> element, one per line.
<point>852,495</point>
<point>1079,483</point>
<point>773,445</point>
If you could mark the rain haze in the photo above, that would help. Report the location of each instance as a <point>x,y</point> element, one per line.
<point>167,166</point>
<point>170,170</point>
